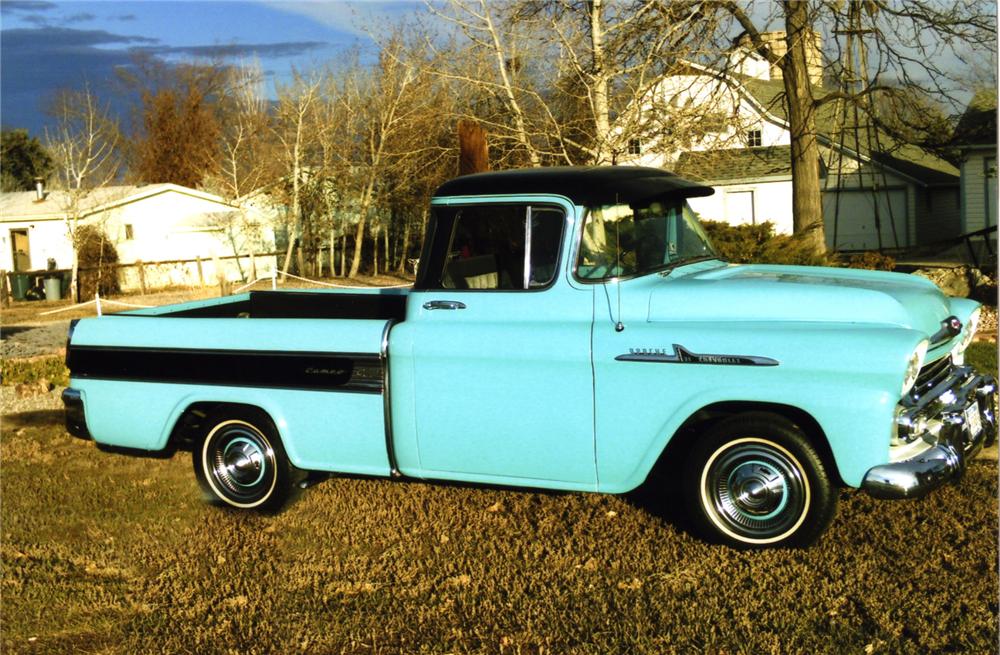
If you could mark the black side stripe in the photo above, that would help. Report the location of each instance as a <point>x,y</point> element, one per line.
<point>272,369</point>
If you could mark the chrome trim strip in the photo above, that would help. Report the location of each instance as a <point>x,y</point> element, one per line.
<point>526,275</point>
<point>383,354</point>
<point>682,355</point>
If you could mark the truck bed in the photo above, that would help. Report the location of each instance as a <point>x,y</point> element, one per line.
<point>321,381</point>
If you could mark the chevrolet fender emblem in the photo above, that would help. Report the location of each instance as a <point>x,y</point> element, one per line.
<point>681,355</point>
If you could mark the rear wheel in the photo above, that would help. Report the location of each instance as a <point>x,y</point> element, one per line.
<point>240,462</point>
<point>755,480</point>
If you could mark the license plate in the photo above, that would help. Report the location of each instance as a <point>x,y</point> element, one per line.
<point>973,420</point>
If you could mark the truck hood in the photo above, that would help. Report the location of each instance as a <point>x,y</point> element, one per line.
<point>799,293</point>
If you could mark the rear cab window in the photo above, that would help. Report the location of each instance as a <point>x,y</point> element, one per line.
<point>500,247</point>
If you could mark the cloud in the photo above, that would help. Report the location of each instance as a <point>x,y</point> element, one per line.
<point>9,6</point>
<point>124,17</point>
<point>79,18</point>
<point>20,41</point>
<point>36,62</point>
<point>238,50</point>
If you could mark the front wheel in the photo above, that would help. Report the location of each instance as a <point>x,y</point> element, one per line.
<point>755,480</point>
<point>240,462</point>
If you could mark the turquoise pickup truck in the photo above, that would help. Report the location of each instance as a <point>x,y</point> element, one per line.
<point>569,328</point>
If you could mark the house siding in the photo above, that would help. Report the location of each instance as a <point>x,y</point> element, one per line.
<point>47,239</point>
<point>772,201</point>
<point>938,214</point>
<point>974,191</point>
<point>167,224</point>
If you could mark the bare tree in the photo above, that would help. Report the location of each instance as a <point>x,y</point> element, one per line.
<point>244,166</point>
<point>296,103</point>
<point>85,145</point>
<point>379,106</point>
<point>564,69</point>
<point>895,50</point>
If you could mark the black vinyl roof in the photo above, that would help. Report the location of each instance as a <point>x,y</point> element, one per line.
<point>584,185</point>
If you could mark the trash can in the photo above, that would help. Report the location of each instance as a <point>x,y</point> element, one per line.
<point>53,288</point>
<point>19,284</point>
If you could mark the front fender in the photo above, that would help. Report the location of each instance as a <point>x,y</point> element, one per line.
<point>846,377</point>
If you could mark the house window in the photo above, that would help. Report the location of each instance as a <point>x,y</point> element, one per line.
<point>634,147</point>
<point>754,138</point>
<point>128,232</point>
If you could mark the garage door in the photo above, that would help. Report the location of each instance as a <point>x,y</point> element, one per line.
<point>855,226</point>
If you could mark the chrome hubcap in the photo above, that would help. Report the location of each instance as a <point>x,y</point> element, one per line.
<point>241,462</point>
<point>756,491</point>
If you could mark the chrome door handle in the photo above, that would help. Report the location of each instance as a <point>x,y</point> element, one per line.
<point>444,304</point>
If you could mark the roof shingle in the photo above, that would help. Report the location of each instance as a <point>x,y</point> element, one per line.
<point>736,163</point>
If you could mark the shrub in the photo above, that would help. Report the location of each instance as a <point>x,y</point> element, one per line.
<point>871,260</point>
<point>17,371</point>
<point>758,244</point>
<point>98,262</point>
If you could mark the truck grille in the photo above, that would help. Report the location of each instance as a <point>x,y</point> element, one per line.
<point>931,375</point>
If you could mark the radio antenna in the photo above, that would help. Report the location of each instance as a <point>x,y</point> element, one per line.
<point>619,326</point>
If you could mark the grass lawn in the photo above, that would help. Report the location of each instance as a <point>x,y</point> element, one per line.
<point>104,553</point>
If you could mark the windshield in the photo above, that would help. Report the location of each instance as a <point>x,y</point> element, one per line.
<point>626,240</point>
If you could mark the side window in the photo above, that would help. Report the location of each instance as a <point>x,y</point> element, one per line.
<point>501,247</point>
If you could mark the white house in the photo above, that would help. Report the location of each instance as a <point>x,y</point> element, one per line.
<point>976,142</point>
<point>742,150</point>
<point>152,223</point>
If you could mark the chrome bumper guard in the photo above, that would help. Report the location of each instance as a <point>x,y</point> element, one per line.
<point>953,446</point>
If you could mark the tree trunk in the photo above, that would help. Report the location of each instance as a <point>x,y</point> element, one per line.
<point>74,278</point>
<point>333,254</point>
<point>385,241</point>
<point>343,255</point>
<point>807,204</point>
<point>403,247</point>
<point>375,251</point>
<point>359,233</point>
<point>301,260</point>
<point>599,75</point>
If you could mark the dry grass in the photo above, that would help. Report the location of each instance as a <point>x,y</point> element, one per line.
<point>103,553</point>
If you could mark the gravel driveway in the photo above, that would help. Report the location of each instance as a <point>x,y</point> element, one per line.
<point>31,340</point>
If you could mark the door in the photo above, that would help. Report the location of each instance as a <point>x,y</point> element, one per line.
<point>739,208</point>
<point>852,219</point>
<point>20,251</point>
<point>503,385</point>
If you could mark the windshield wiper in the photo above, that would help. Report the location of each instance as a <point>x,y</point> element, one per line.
<point>667,268</point>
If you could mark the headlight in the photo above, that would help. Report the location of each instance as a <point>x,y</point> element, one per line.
<point>968,332</point>
<point>913,366</point>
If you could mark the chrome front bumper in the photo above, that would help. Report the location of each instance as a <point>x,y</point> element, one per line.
<point>951,447</point>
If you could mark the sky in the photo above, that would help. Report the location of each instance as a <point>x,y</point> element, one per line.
<point>46,46</point>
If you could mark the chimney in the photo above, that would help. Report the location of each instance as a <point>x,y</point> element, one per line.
<point>775,41</point>
<point>39,189</point>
